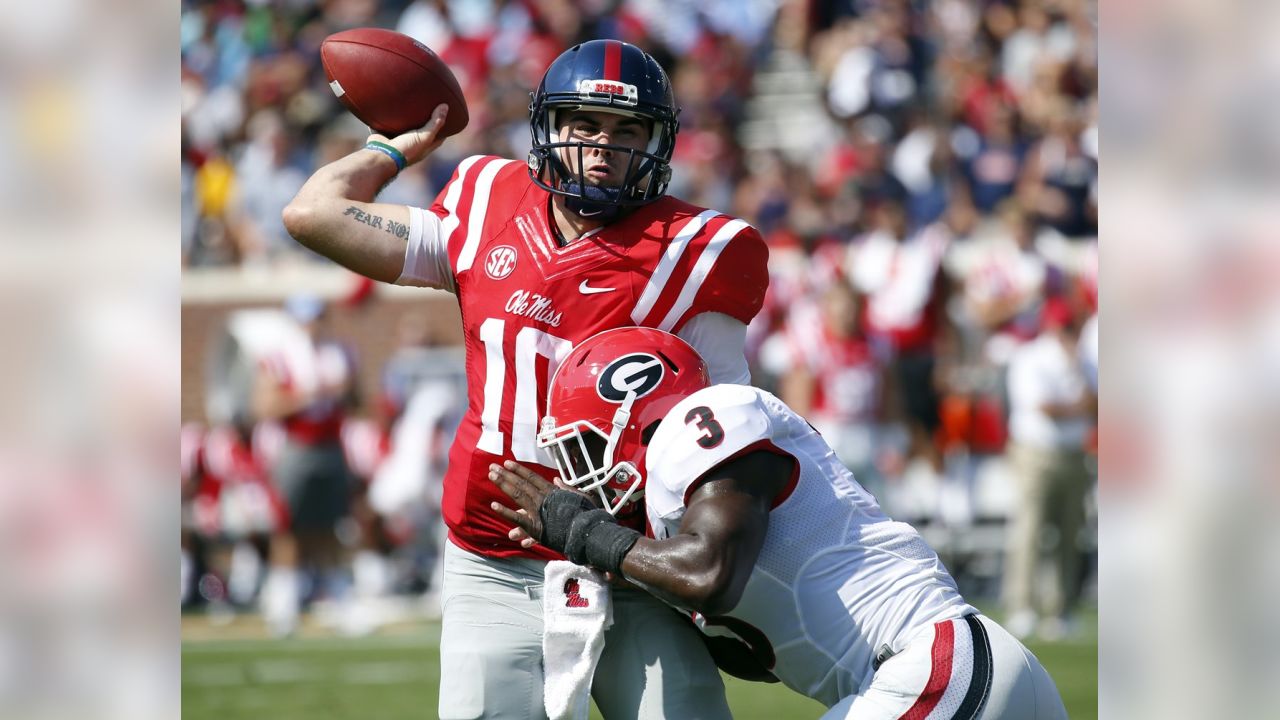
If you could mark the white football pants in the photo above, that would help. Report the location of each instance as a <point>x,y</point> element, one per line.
<point>964,669</point>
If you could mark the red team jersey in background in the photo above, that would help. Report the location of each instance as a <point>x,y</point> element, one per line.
<point>525,302</point>
<point>233,492</point>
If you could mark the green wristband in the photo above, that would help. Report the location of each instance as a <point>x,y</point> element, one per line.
<point>390,151</point>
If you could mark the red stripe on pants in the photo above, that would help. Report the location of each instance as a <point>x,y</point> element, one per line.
<point>943,647</point>
<point>613,60</point>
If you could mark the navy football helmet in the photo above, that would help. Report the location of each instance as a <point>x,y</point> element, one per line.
<point>608,76</point>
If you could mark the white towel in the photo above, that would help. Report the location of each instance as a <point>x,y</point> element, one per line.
<point>576,610</point>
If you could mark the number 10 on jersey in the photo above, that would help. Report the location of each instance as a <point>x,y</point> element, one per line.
<point>530,343</point>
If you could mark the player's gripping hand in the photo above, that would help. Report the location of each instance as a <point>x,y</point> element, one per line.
<point>566,521</point>
<point>544,511</point>
<point>418,144</point>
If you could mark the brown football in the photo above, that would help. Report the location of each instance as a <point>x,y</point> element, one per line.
<point>391,81</point>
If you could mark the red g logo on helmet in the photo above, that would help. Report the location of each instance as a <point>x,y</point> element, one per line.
<point>639,373</point>
<point>501,261</point>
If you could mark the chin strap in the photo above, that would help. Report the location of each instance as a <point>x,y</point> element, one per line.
<point>600,203</point>
<point>621,417</point>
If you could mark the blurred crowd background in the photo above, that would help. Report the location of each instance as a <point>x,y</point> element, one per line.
<point>924,173</point>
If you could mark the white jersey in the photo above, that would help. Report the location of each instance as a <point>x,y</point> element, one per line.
<point>836,579</point>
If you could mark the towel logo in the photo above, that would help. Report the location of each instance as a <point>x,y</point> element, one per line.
<point>571,590</point>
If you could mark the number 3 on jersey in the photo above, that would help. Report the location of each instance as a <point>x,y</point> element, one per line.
<point>706,421</point>
<point>530,343</point>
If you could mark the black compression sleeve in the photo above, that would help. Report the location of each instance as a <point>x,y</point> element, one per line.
<point>596,539</point>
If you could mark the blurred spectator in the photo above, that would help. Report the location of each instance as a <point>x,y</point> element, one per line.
<point>265,182</point>
<point>880,66</point>
<point>872,178</point>
<point>905,294</point>
<point>1038,40</point>
<point>230,510</point>
<point>311,399</point>
<point>980,89</point>
<point>1052,408</point>
<point>1058,183</point>
<point>994,157</point>
<point>1003,279</point>
<point>922,162</point>
<point>835,380</point>
<point>427,21</point>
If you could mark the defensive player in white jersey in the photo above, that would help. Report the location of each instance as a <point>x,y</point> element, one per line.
<point>543,255</point>
<point>756,527</point>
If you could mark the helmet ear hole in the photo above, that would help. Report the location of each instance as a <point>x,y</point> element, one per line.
<point>647,434</point>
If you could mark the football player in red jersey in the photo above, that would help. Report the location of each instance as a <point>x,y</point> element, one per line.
<point>542,255</point>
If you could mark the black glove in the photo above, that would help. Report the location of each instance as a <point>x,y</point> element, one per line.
<point>557,512</point>
<point>573,526</point>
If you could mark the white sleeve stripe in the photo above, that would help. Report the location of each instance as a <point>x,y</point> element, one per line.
<point>426,259</point>
<point>701,269</point>
<point>451,198</point>
<point>479,206</point>
<point>667,265</point>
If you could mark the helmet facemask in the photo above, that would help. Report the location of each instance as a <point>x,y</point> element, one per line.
<point>603,76</point>
<point>584,454</point>
<point>645,179</point>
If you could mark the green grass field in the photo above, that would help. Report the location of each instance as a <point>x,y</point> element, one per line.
<point>230,673</point>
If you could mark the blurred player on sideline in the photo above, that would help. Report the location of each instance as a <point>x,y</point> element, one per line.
<point>758,529</point>
<point>542,255</point>
<point>230,510</point>
<point>311,470</point>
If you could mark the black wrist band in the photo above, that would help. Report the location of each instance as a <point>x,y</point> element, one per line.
<point>558,510</point>
<point>596,539</point>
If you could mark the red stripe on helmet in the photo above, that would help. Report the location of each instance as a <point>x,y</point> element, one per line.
<point>613,60</point>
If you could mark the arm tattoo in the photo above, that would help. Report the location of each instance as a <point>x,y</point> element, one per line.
<point>364,217</point>
<point>398,229</point>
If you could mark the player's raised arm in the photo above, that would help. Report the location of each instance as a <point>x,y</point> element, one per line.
<point>334,213</point>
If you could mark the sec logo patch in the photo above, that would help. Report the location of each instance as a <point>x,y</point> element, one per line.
<point>501,261</point>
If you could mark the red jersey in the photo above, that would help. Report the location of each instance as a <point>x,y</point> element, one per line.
<point>321,421</point>
<point>900,279</point>
<point>366,445</point>
<point>845,373</point>
<point>233,493</point>
<point>526,301</point>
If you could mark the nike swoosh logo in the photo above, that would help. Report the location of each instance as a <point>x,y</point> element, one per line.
<point>585,290</point>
